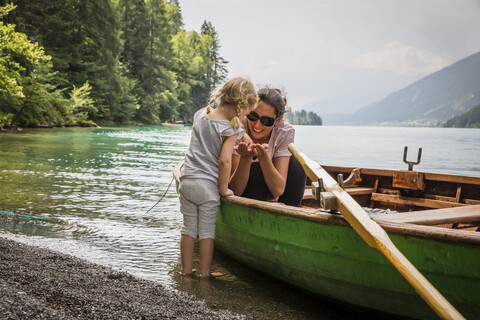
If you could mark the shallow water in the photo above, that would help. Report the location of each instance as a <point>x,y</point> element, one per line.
<point>94,187</point>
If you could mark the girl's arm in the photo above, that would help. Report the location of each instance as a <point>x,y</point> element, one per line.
<point>246,138</point>
<point>225,165</point>
<point>274,172</point>
<point>241,169</point>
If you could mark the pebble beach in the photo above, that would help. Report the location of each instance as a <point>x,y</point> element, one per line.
<point>37,283</point>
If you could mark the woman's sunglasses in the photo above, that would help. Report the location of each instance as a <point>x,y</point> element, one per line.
<point>266,121</point>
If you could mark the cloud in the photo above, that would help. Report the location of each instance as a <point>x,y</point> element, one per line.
<point>402,59</point>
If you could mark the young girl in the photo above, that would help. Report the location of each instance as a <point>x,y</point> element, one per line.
<point>206,171</point>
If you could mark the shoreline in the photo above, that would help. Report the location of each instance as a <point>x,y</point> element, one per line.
<point>38,283</point>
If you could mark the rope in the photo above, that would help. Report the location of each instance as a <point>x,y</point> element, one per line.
<point>23,216</point>
<point>161,197</point>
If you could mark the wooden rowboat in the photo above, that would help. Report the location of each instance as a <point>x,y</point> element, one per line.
<point>317,251</point>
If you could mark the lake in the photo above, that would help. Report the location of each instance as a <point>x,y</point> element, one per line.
<point>87,192</point>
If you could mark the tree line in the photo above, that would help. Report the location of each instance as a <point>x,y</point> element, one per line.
<point>82,62</point>
<point>469,119</point>
<point>303,117</point>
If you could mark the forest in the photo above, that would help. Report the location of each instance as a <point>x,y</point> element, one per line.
<point>89,62</point>
<point>469,119</point>
<point>302,117</point>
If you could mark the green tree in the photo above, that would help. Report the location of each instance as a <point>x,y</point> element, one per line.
<point>147,31</point>
<point>80,104</point>
<point>469,119</point>
<point>200,67</point>
<point>27,97</point>
<point>303,117</point>
<point>218,72</point>
<point>18,56</point>
<point>191,63</point>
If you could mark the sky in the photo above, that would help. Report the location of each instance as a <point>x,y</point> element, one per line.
<point>342,54</point>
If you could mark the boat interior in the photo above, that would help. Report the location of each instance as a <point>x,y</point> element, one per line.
<point>441,200</point>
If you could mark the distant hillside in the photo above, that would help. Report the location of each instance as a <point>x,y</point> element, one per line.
<point>470,119</point>
<point>428,101</point>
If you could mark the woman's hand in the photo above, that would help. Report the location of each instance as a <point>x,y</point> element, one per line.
<point>260,150</point>
<point>244,150</point>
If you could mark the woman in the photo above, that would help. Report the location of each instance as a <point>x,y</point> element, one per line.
<point>265,170</point>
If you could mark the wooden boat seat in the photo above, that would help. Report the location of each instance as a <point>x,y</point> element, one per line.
<point>434,217</point>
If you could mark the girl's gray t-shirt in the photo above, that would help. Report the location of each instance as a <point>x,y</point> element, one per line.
<point>201,159</point>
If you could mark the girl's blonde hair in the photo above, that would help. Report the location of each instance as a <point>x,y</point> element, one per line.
<point>238,92</point>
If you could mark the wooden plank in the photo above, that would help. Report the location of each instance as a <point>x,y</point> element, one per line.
<point>451,178</point>
<point>451,199</point>
<point>388,191</point>
<point>364,171</point>
<point>434,217</point>
<point>339,169</point>
<point>375,187</point>
<point>459,192</point>
<point>359,191</point>
<point>377,238</point>
<point>377,172</point>
<point>351,191</point>
<point>427,175</point>
<point>472,201</point>
<point>421,202</point>
<point>408,180</point>
<point>442,198</point>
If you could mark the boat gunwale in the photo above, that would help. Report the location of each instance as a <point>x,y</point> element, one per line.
<point>430,176</point>
<point>325,217</point>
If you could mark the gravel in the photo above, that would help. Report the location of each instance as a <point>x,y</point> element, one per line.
<point>37,283</point>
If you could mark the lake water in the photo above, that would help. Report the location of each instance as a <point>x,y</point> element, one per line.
<point>95,186</point>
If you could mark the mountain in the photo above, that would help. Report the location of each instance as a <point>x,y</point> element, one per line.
<point>470,119</point>
<point>427,102</point>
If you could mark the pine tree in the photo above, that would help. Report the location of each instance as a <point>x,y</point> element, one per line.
<point>147,31</point>
<point>192,63</point>
<point>219,70</point>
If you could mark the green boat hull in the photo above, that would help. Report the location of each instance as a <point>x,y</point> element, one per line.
<point>328,259</point>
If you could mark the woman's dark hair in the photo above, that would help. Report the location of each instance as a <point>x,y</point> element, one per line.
<point>274,98</point>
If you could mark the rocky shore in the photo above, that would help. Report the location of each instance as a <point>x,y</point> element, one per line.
<point>37,283</point>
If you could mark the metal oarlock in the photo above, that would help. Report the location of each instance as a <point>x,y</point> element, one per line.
<point>411,163</point>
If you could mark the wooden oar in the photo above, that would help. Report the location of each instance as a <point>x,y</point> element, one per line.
<point>376,237</point>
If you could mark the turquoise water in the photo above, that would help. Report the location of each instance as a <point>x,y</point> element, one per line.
<point>95,186</point>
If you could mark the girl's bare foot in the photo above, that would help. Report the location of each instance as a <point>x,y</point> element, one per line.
<point>188,274</point>
<point>212,275</point>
